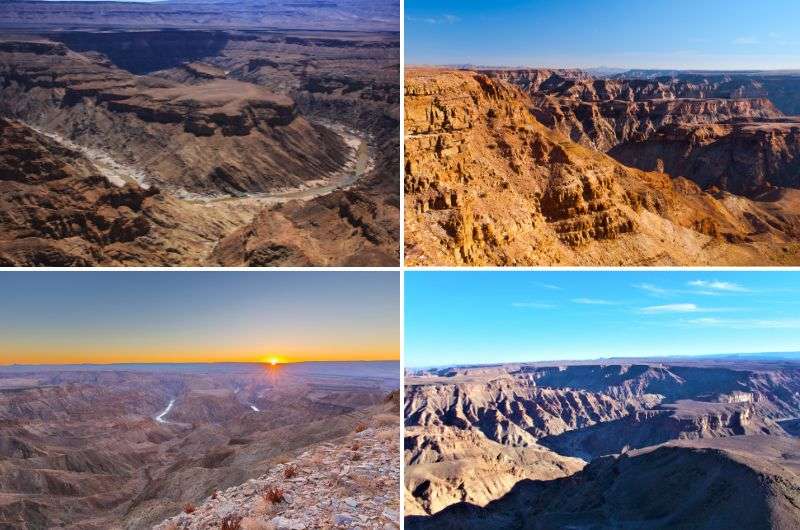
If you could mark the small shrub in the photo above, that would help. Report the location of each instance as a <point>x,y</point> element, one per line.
<point>215,494</point>
<point>188,508</point>
<point>290,471</point>
<point>356,446</point>
<point>274,495</point>
<point>361,426</point>
<point>356,457</point>
<point>231,522</point>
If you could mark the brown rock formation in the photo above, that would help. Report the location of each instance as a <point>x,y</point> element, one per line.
<point>96,448</point>
<point>243,138</point>
<point>744,157</point>
<point>486,183</point>
<point>742,481</point>
<point>474,434</point>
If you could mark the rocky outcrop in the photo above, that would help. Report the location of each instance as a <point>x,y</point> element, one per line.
<point>743,481</point>
<point>486,183</point>
<point>225,136</point>
<point>603,113</point>
<point>348,483</point>
<point>445,466</point>
<point>683,420</point>
<point>512,412</point>
<point>475,434</point>
<point>745,157</point>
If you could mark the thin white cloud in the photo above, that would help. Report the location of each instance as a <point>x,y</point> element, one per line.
<point>745,41</point>
<point>652,289</point>
<point>532,305</point>
<point>778,323</point>
<point>716,285</point>
<point>443,19</point>
<point>670,308</point>
<point>592,301</point>
<point>548,286</point>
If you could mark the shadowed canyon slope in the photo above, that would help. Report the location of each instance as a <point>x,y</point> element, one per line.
<point>650,444</point>
<point>275,147</point>
<point>128,446</point>
<point>526,167</point>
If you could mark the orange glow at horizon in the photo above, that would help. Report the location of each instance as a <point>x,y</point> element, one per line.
<point>98,354</point>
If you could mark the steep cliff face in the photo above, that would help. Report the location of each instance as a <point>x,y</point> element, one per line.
<point>512,412</point>
<point>224,136</point>
<point>602,113</point>
<point>744,157</point>
<point>445,466</point>
<point>486,183</point>
<point>247,139</point>
<point>474,434</point>
<point>60,209</point>
<point>742,481</point>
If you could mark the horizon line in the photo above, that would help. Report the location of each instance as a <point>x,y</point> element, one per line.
<point>4,365</point>
<point>601,67</point>
<point>611,357</point>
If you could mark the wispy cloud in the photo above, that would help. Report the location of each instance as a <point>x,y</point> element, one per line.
<point>532,305</point>
<point>442,19</point>
<point>592,301</point>
<point>548,286</point>
<point>716,285</point>
<point>752,323</point>
<point>652,289</point>
<point>670,308</point>
<point>745,41</point>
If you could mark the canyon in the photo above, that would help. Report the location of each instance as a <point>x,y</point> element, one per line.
<point>560,167</point>
<point>656,443</point>
<point>242,147</point>
<point>131,446</point>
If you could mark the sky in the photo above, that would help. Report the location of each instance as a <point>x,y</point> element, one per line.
<point>108,317</point>
<point>484,317</point>
<point>681,34</point>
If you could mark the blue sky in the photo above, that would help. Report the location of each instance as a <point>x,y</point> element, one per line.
<point>487,317</point>
<point>705,34</point>
<point>102,317</point>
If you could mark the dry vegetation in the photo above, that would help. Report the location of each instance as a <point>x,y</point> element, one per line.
<point>232,522</point>
<point>274,495</point>
<point>290,471</point>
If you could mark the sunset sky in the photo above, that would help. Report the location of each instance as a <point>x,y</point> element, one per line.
<point>108,317</point>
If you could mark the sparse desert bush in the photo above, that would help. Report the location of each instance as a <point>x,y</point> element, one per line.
<point>273,495</point>
<point>356,446</point>
<point>188,508</point>
<point>361,426</point>
<point>215,494</point>
<point>231,522</point>
<point>355,457</point>
<point>290,471</point>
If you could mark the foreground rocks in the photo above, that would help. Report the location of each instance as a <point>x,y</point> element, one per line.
<point>350,483</point>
